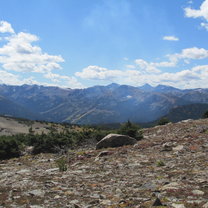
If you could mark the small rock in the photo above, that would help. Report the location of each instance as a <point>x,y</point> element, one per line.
<point>96,201</point>
<point>178,206</point>
<point>52,170</point>
<point>178,148</point>
<point>74,201</point>
<point>37,193</point>
<point>186,121</point>
<point>104,153</point>
<point>105,202</point>
<point>205,205</point>
<point>198,192</point>
<point>57,197</point>
<point>171,186</point>
<point>167,146</point>
<point>23,171</point>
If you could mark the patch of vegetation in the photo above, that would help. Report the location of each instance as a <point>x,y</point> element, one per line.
<point>205,115</point>
<point>131,129</point>
<point>59,142</point>
<point>9,147</point>
<point>160,163</point>
<point>163,121</point>
<point>53,142</point>
<point>62,164</point>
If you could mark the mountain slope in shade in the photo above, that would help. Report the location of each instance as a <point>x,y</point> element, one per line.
<point>192,111</point>
<point>100,104</point>
<point>10,108</point>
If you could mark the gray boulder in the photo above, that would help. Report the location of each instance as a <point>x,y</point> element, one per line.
<point>115,140</point>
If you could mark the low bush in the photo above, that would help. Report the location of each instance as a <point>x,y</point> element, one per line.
<point>163,121</point>
<point>9,147</point>
<point>131,129</point>
<point>62,164</point>
<point>160,163</point>
<point>205,115</point>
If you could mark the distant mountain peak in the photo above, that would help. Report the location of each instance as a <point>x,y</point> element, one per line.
<point>146,87</point>
<point>165,88</point>
<point>113,86</point>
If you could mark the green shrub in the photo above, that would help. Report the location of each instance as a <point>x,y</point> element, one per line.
<point>9,147</point>
<point>62,164</point>
<point>205,115</point>
<point>131,130</point>
<point>51,143</point>
<point>160,163</point>
<point>163,121</point>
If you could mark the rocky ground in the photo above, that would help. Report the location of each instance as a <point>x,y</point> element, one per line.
<point>168,168</point>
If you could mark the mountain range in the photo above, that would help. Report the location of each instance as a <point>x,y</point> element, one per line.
<point>113,103</point>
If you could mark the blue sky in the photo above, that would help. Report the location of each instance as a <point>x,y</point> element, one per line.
<point>80,43</point>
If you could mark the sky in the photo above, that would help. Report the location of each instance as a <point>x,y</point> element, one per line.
<point>82,43</point>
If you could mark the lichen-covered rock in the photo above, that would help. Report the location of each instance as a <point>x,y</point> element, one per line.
<point>115,140</point>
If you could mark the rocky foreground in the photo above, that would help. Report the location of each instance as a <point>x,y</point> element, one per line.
<point>168,168</point>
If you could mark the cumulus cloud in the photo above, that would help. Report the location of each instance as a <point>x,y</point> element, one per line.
<point>18,54</point>
<point>153,67</point>
<point>190,53</point>
<point>63,80</point>
<point>146,67</point>
<point>5,27</point>
<point>98,73</point>
<point>202,12</point>
<point>170,38</point>
<point>21,55</point>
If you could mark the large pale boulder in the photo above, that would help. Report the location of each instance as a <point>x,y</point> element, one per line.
<point>115,140</point>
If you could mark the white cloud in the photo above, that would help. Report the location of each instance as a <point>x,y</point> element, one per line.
<point>63,80</point>
<point>204,25</point>
<point>146,67</point>
<point>190,2</point>
<point>130,66</point>
<point>12,79</point>
<point>195,13</point>
<point>57,80</point>
<point>202,12</point>
<point>18,54</point>
<point>5,27</point>
<point>170,38</point>
<point>97,72</point>
<point>190,53</point>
